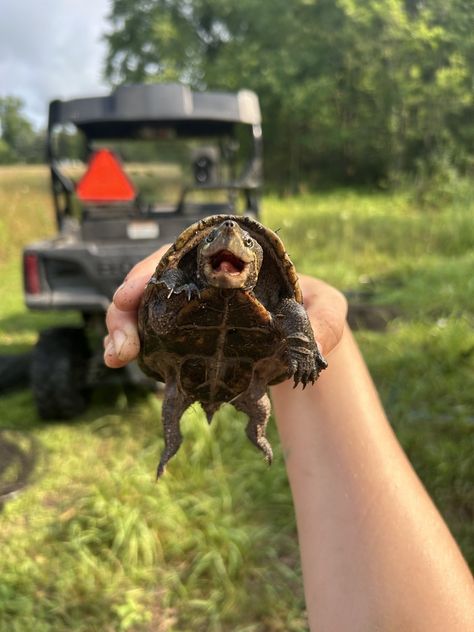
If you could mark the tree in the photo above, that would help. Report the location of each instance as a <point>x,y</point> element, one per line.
<point>19,142</point>
<point>350,89</point>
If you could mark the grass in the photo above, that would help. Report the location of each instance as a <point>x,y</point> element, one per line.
<point>94,544</point>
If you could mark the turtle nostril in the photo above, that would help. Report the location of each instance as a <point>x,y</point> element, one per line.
<point>229,223</point>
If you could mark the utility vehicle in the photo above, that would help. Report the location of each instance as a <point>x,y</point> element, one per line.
<point>129,172</point>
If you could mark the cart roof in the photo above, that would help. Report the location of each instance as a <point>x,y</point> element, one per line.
<point>129,109</point>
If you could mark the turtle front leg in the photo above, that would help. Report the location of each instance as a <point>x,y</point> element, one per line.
<point>305,361</point>
<point>176,282</point>
<point>174,405</point>
<point>257,406</point>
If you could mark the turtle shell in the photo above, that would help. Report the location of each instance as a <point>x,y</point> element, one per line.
<point>222,342</point>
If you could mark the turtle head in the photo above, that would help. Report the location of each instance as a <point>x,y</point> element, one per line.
<point>229,257</point>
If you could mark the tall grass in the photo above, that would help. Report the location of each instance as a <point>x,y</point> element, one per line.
<point>26,208</point>
<point>94,544</point>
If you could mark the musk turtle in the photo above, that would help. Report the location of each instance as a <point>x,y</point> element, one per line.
<point>220,320</point>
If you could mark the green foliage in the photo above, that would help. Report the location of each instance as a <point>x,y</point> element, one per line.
<point>351,91</point>
<point>95,545</point>
<point>19,142</point>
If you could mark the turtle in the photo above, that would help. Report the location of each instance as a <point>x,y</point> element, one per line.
<point>220,320</point>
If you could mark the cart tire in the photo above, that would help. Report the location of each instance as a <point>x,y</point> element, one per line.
<point>14,371</point>
<point>59,373</point>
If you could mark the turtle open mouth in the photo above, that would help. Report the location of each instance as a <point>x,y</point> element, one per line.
<point>225,261</point>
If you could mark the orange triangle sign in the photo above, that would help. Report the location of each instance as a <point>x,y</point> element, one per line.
<point>105,180</point>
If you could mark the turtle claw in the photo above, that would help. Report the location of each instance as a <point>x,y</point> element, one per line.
<point>191,289</point>
<point>305,366</point>
<point>160,470</point>
<point>266,448</point>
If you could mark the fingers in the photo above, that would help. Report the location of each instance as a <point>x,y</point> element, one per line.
<point>327,311</point>
<point>122,343</point>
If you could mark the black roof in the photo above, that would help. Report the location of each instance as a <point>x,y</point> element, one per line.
<point>130,108</point>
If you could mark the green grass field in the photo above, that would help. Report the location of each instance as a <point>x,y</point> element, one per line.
<point>93,544</point>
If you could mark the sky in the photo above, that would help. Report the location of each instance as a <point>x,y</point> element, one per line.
<point>51,49</point>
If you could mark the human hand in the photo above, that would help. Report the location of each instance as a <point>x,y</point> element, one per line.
<point>326,307</point>
<point>122,343</point>
<point>327,311</point>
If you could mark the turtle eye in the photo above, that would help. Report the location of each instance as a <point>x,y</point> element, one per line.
<point>210,238</point>
<point>248,241</point>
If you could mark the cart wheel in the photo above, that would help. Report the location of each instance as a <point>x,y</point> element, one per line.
<point>59,373</point>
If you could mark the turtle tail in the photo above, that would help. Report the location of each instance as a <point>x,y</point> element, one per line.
<point>210,409</point>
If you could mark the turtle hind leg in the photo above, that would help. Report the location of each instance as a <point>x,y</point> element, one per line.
<point>174,405</point>
<point>258,411</point>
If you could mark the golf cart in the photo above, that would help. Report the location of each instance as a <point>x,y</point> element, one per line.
<point>129,172</point>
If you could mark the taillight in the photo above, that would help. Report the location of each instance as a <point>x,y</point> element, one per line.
<point>32,274</point>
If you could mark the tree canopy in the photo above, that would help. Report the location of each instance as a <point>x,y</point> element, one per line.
<point>350,89</point>
<point>19,142</point>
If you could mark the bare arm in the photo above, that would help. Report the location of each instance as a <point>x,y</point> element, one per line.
<point>376,554</point>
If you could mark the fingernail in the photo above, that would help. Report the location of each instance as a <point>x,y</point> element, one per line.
<point>119,339</point>
<point>110,349</point>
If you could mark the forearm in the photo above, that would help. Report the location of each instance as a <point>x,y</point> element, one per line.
<point>376,555</point>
